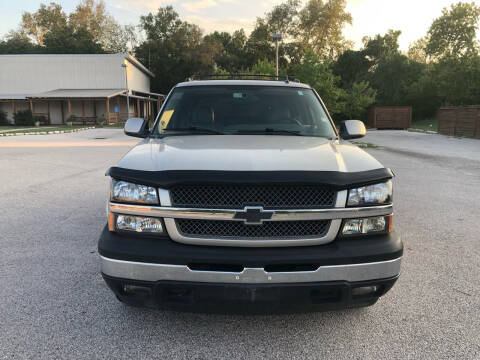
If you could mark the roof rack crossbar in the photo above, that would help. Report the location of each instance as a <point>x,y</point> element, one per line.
<point>234,76</point>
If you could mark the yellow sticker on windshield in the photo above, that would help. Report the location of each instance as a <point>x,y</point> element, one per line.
<point>166,116</point>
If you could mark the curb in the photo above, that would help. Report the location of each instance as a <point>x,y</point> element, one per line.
<point>422,131</point>
<point>46,132</point>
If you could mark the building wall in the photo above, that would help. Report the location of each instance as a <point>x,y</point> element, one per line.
<point>137,80</point>
<point>31,74</point>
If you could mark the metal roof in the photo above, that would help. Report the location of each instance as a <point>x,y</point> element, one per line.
<point>78,93</point>
<point>243,83</point>
<point>13,96</point>
<point>129,57</point>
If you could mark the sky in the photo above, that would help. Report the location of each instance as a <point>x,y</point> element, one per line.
<point>370,17</point>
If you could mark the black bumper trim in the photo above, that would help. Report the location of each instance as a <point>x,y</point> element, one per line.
<point>246,298</point>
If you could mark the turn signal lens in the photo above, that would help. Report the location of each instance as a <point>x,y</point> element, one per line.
<point>139,224</point>
<point>111,223</point>
<point>365,225</point>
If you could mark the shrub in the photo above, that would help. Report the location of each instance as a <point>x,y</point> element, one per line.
<point>23,117</point>
<point>3,118</point>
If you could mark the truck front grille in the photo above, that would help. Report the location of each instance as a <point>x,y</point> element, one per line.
<point>239,196</point>
<point>238,230</point>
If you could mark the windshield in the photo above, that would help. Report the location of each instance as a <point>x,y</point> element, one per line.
<point>245,110</point>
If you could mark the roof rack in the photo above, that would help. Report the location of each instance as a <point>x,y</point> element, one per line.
<point>234,76</point>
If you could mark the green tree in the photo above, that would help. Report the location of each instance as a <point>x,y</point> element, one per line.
<point>230,50</point>
<point>352,66</point>
<point>458,80</point>
<point>392,78</point>
<point>454,33</point>
<point>360,97</point>
<point>264,67</point>
<point>92,16</point>
<point>381,47</point>
<point>259,44</point>
<point>423,95</point>
<point>38,24</point>
<point>312,70</point>
<point>173,48</point>
<point>417,50</point>
<point>70,40</point>
<point>18,43</point>
<point>284,19</point>
<point>321,26</point>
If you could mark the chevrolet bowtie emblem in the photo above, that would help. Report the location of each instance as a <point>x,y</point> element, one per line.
<point>253,215</point>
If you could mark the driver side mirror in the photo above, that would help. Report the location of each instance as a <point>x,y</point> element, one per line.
<point>136,127</point>
<point>352,129</point>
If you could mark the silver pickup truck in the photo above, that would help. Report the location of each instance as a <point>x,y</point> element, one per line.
<point>244,197</point>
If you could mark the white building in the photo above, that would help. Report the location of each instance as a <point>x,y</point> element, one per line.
<point>83,88</point>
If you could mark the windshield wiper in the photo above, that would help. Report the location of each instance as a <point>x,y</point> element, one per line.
<point>196,129</point>
<point>271,131</point>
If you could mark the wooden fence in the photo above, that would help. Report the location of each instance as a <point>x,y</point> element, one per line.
<point>390,117</point>
<point>459,121</point>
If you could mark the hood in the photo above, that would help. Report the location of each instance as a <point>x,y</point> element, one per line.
<point>247,153</point>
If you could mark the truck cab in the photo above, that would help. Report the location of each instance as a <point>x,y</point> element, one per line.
<point>244,196</point>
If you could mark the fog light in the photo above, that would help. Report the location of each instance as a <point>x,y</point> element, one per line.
<point>136,289</point>
<point>364,225</point>
<point>364,290</point>
<point>139,224</point>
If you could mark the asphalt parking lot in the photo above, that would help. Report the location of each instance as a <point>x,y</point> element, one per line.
<point>54,303</point>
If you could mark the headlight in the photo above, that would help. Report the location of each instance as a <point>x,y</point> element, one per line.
<point>376,194</point>
<point>134,193</point>
<point>139,224</point>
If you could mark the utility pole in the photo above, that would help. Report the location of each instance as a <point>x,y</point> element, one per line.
<point>128,91</point>
<point>277,37</point>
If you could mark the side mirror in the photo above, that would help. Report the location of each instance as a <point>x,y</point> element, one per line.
<point>352,129</point>
<point>136,127</point>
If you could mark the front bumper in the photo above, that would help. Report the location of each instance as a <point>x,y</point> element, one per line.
<point>162,273</point>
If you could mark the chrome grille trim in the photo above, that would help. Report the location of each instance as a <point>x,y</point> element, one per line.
<point>227,214</point>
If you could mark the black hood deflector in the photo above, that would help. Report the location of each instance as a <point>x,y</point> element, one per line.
<point>170,178</point>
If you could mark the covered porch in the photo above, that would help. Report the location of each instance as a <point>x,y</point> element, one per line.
<point>92,106</point>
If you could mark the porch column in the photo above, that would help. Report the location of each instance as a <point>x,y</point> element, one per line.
<point>14,109</point>
<point>95,110</point>
<point>31,105</point>
<point>138,107</point>
<point>69,109</point>
<point>48,112</point>
<point>107,109</point>
<point>62,110</point>
<point>83,112</point>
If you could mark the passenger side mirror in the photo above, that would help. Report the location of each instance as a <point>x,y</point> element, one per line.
<point>352,129</point>
<point>136,127</point>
